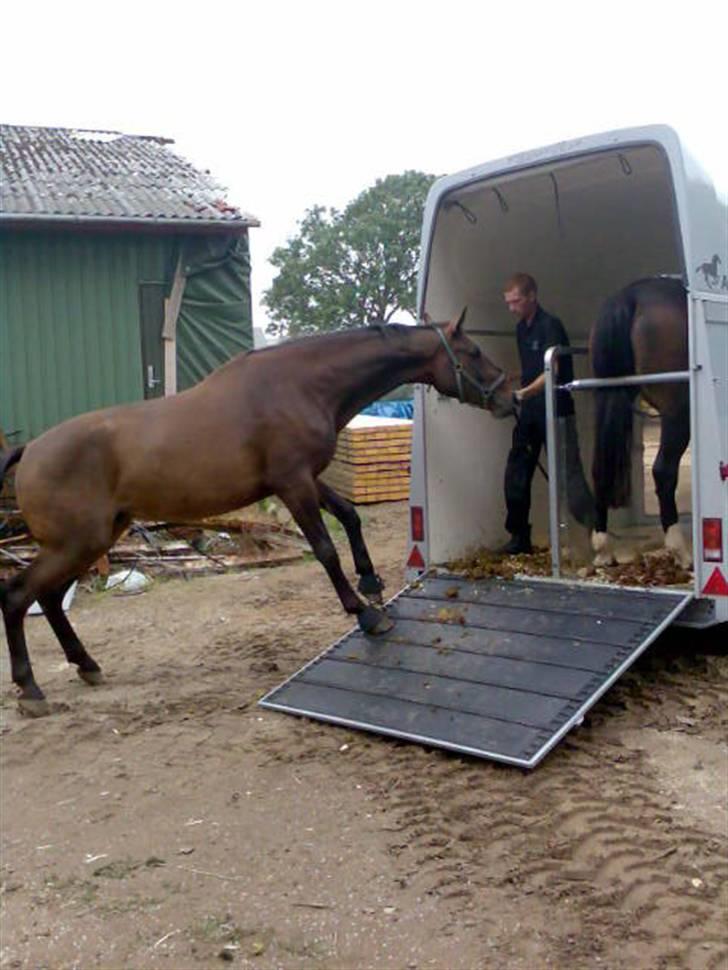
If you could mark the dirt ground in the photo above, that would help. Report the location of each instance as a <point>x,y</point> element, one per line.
<point>162,819</point>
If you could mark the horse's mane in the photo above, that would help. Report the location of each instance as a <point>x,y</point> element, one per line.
<point>386,331</point>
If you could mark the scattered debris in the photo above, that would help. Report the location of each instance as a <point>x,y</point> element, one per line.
<point>483,563</point>
<point>151,549</point>
<point>162,939</point>
<point>128,581</point>
<point>450,616</point>
<point>214,875</point>
<point>657,568</point>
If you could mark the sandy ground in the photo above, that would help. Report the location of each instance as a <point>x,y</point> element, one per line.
<point>164,820</point>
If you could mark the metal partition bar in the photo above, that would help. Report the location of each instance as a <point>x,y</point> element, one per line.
<point>552,445</point>
<point>552,434</point>
<point>589,383</point>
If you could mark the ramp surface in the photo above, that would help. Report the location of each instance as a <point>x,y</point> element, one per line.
<point>490,668</point>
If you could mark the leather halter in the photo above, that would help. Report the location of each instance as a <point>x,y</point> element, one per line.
<point>486,391</point>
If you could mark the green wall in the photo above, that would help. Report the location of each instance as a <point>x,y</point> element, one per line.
<point>69,319</point>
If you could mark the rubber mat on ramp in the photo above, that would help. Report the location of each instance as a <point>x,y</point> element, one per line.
<point>492,668</point>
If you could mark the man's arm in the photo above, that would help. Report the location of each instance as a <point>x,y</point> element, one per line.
<point>556,337</point>
<point>537,386</point>
<point>532,389</point>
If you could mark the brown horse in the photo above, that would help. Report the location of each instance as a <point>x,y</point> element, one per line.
<point>642,329</point>
<point>263,424</point>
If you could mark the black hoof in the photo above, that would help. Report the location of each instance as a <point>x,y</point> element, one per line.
<point>371,586</point>
<point>92,677</point>
<point>374,622</point>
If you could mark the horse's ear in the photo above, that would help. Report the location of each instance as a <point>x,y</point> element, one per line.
<point>453,328</point>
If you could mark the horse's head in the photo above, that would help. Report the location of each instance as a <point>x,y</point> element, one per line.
<point>463,371</point>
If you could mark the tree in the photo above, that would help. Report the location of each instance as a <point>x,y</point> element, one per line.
<point>346,269</point>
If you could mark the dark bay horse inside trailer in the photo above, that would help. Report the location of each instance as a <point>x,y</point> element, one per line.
<point>263,424</point>
<point>642,329</point>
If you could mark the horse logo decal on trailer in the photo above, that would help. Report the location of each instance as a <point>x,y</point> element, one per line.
<point>712,277</point>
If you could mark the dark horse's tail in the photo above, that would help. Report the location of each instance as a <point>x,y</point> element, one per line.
<point>612,356</point>
<point>8,459</point>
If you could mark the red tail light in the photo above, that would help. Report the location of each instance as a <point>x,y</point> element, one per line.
<point>712,540</point>
<point>417,523</point>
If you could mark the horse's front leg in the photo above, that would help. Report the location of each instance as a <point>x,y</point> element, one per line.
<point>301,497</point>
<point>370,584</point>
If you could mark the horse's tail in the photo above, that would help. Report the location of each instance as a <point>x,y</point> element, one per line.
<point>8,459</point>
<point>612,356</point>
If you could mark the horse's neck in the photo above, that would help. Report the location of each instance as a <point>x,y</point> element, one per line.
<point>376,368</point>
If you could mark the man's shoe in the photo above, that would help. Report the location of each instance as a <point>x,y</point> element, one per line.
<point>519,545</point>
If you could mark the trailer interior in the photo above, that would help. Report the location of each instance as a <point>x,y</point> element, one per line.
<point>583,227</point>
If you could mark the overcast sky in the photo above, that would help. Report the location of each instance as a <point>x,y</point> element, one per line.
<point>292,104</point>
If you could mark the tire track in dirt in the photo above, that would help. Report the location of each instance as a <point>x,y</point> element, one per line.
<point>593,834</point>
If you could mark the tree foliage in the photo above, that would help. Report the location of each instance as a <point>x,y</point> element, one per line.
<point>352,267</point>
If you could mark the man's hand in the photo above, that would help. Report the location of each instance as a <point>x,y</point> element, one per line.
<point>517,399</point>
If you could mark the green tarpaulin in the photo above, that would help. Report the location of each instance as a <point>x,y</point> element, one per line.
<point>214,321</point>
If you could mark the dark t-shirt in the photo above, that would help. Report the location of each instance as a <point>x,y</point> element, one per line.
<point>534,340</point>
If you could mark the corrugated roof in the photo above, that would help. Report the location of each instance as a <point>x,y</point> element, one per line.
<point>73,174</point>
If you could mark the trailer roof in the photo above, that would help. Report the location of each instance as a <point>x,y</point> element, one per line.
<point>702,209</point>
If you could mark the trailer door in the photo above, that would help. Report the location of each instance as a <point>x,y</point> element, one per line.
<point>709,414</point>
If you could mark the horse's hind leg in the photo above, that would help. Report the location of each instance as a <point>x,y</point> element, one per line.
<point>674,438</point>
<point>74,650</point>
<point>302,500</point>
<point>49,572</point>
<point>601,541</point>
<point>370,584</point>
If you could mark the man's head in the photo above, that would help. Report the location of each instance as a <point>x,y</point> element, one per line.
<point>521,296</point>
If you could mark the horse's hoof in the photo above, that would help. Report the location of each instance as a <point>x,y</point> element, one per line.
<point>675,544</point>
<point>374,622</point>
<point>93,677</point>
<point>34,707</point>
<point>371,587</point>
<point>599,541</point>
<point>604,559</point>
<point>603,548</point>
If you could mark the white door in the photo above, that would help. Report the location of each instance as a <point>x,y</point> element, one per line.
<point>709,445</point>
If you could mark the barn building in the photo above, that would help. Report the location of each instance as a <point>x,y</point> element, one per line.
<point>124,274</point>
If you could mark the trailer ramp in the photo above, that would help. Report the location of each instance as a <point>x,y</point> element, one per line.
<point>491,668</point>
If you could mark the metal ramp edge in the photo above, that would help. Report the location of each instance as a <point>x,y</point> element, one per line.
<point>496,669</point>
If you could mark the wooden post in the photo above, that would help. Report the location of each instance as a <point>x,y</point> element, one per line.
<point>169,329</point>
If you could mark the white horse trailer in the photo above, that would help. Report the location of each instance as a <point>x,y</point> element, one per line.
<point>585,218</point>
<point>498,669</point>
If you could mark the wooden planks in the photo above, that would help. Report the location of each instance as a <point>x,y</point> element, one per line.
<point>372,460</point>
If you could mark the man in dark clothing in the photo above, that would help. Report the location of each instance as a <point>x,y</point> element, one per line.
<point>536,331</point>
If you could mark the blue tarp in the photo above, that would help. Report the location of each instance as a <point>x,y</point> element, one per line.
<point>390,409</point>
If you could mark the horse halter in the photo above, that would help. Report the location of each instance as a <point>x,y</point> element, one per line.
<point>486,391</point>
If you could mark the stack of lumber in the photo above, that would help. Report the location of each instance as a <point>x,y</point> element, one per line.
<point>372,460</point>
